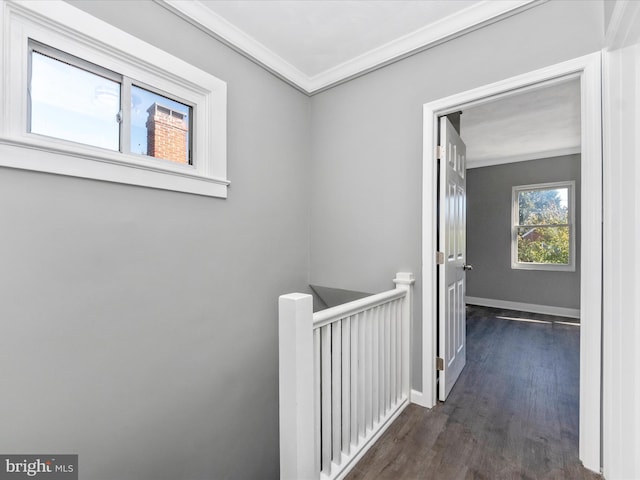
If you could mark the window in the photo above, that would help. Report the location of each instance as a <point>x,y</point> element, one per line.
<point>542,227</point>
<point>88,100</point>
<point>77,101</point>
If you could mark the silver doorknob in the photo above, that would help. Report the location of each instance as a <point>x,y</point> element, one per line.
<point>467,267</point>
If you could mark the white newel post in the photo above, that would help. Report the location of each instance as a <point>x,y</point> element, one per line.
<point>405,281</point>
<point>297,400</point>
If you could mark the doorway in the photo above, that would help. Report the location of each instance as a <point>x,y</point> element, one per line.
<point>587,70</point>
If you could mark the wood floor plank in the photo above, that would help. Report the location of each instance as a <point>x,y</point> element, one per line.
<point>513,414</point>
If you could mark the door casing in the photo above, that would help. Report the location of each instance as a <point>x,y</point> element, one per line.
<point>588,70</point>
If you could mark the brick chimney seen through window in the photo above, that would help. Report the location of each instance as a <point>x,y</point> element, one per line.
<point>167,131</point>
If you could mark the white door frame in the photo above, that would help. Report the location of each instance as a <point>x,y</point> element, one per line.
<point>588,69</point>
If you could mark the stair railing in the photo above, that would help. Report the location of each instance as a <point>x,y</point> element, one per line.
<point>344,377</point>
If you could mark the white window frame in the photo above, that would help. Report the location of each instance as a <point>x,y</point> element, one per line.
<point>515,264</point>
<point>66,28</point>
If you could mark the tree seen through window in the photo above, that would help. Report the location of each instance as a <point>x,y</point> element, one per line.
<point>543,229</point>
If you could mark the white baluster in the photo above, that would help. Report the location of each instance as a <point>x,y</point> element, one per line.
<point>394,354</point>
<point>336,390</point>
<point>387,358</point>
<point>368,370</point>
<point>317,386</point>
<point>398,308</point>
<point>354,380</point>
<point>361,376</point>
<point>381,342</point>
<point>375,364</point>
<point>325,369</point>
<point>346,385</point>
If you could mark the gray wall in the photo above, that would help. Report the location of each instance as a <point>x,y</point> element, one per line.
<point>489,235</point>
<point>367,143</point>
<point>139,326</point>
<point>608,6</point>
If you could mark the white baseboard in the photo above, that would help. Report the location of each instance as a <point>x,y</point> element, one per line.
<point>524,307</point>
<point>419,399</point>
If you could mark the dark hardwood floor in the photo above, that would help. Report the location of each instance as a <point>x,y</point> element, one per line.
<point>513,414</point>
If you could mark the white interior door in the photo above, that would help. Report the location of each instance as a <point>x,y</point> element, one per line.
<point>452,233</point>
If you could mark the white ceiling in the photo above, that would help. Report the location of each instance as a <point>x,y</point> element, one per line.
<point>317,44</point>
<point>314,45</point>
<point>539,123</point>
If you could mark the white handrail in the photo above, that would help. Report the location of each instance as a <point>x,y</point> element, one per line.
<point>333,314</point>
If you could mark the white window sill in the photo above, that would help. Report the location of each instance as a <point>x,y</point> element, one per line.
<point>543,266</point>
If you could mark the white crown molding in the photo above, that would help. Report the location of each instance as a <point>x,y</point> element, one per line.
<point>445,29</point>
<point>623,27</point>
<point>428,36</point>
<point>196,13</point>
<point>487,162</point>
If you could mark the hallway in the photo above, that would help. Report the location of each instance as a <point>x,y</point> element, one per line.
<point>513,414</point>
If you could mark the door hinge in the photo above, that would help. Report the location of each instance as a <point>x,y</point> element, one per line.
<point>439,363</point>
<point>439,258</point>
<point>439,152</point>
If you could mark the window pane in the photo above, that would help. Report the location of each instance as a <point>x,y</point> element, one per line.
<point>539,207</point>
<point>70,103</point>
<point>159,126</point>
<point>543,245</point>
